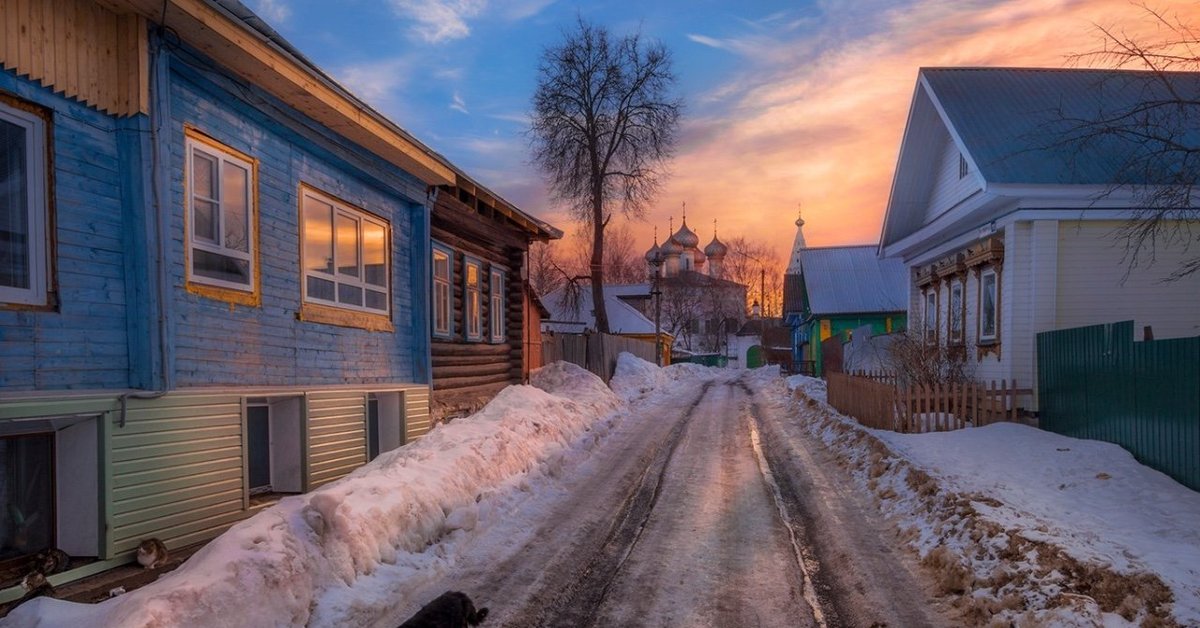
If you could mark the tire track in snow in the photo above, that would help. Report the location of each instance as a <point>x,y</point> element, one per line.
<point>579,603</point>
<point>810,592</point>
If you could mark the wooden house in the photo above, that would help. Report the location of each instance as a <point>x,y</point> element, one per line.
<point>214,275</point>
<point>1007,231</point>
<point>480,301</point>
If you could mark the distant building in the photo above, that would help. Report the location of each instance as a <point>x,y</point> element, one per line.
<point>700,307</point>
<point>830,291</point>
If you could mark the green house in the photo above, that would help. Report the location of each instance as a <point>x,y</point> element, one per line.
<point>830,291</point>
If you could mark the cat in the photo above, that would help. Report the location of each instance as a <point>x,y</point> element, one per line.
<point>152,554</point>
<point>50,561</point>
<point>35,584</point>
<point>452,609</point>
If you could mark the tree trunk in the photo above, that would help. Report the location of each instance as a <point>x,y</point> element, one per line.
<point>598,266</point>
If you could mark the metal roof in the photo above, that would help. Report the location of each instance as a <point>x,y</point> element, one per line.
<point>1022,125</point>
<point>853,280</point>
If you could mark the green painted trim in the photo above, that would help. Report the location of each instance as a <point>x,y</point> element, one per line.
<point>33,408</point>
<point>305,480</point>
<point>15,592</point>
<point>245,460</point>
<point>104,484</point>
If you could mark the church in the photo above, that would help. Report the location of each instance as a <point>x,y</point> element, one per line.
<point>700,307</point>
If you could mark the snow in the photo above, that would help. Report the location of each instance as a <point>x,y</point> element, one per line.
<point>1089,497</point>
<point>1050,530</point>
<point>1015,524</point>
<point>298,561</point>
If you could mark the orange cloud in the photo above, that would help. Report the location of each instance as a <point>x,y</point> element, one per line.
<point>823,126</point>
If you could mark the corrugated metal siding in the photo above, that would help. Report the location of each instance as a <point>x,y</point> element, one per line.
<point>1095,382</point>
<point>416,413</point>
<point>853,280</point>
<point>78,48</point>
<point>176,470</point>
<point>336,435</point>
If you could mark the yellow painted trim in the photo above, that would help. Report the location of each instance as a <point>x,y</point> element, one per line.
<point>218,293</point>
<point>329,315</point>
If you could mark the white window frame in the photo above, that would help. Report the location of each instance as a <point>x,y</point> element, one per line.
<point>37,209</point>
<point>983,275</point>
<point>956,317</point>
<point>222,156</point>
<point>497,311</point>
<point>442,298</point>
<point>343,209</point>
<point>473,299</point>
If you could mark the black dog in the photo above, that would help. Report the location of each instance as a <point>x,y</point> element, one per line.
<point>452,609</point>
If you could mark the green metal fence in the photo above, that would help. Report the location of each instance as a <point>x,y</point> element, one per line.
<point>1096,382</point>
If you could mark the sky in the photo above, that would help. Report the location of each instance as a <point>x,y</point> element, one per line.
<point>788,104</point>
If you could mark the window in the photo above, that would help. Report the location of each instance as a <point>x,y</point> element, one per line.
<point>23,207</point>
<point>472,278</point>
<point>345,255</point>
<point>988,302</point>
<point>497,310</point>
<point>954,330</point>
<point>930,316</point>
<point>441,292</point>
<point>221,223</point>
<point>963,168</point>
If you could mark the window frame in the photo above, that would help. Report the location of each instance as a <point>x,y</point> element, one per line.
<point>245,294</point>
<point>472,322</point>
<point>361,216</point>
<point>447,299</point>
<point>37,127</point>
<point>497,285</point>
<point>959,316</point>
<point>994,338</point>
<point>929,324</point>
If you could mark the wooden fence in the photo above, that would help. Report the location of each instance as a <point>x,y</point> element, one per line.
<point>594,352</point>
<point>877,402</point>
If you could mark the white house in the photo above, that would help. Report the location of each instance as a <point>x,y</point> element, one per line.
<point>1008,231</point>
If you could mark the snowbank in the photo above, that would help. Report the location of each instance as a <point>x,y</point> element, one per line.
<point>280,566</point>
<point>1027,526</point>
<point>635,377</point>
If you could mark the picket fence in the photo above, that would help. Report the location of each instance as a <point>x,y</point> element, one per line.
<point>876,400</point>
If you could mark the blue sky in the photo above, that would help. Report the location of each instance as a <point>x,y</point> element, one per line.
<point>787,102</point>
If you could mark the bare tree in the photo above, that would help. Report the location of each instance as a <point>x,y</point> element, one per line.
<point>756,265</point>
<point>603,128</point>
<point>1155,138</point>
<point>547,271</point>
<point>621,261</point>
<point>919,362</point>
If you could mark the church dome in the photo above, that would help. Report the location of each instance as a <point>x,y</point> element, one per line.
<point>653,253</point>
<point>671,248</point>
<point>685,237</point>
<point>716,248</point>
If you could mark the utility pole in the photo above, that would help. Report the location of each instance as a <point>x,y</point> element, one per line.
<point>656,261</point>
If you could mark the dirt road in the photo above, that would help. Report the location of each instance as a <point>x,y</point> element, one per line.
<point>703,508</point>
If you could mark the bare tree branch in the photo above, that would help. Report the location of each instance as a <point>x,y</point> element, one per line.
<point>603,130</point>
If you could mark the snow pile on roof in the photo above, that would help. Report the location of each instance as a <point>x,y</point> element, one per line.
<point>288,564</point>
<point>1027,526</point>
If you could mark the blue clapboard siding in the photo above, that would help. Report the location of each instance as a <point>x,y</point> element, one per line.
<point>83,345</point>
<point>218,344</point>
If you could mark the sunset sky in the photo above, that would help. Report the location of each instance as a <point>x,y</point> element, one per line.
<point>787,102</point>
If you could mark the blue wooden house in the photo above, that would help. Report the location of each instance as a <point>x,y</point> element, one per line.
<point>215,269</point>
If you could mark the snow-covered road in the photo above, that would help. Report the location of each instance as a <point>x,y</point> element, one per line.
<point>697,510</point>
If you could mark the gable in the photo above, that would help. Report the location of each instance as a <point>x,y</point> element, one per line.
<point>951,178</point>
